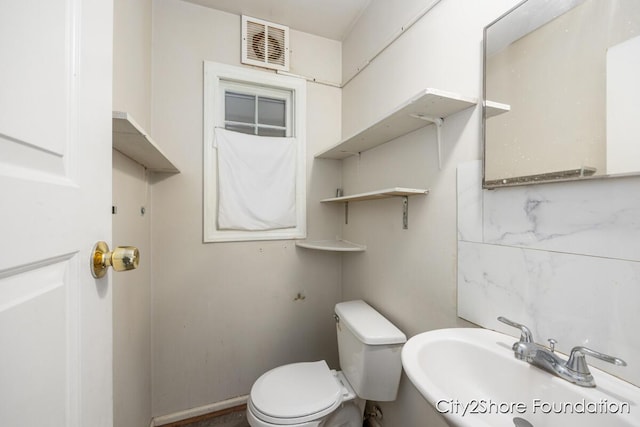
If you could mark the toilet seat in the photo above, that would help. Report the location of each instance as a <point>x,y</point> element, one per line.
<point>298,393</point>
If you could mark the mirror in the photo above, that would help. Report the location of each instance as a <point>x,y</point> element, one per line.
<point>562,92</point>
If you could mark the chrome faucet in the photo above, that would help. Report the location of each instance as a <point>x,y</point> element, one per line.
<point>574,370</point>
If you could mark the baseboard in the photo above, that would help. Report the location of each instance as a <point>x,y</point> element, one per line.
<point>201,410</point>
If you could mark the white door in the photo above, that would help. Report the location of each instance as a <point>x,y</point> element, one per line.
<point>55,197</point>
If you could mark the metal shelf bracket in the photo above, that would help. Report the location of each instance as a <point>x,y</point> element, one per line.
<point>438,121</point>
<point>405,212</point>
<point>346,212</point>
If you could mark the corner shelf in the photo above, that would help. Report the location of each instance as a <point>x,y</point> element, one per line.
<point>492,109</point>
<point>427,107</point>
<point>131,140</point>
<point>337,245</point>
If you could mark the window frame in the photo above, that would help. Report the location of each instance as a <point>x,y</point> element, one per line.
<point>214,74</point>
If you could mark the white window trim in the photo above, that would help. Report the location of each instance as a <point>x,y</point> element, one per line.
<point>214,116</point>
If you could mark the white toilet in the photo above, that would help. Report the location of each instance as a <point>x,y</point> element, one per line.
<point>311,395</point>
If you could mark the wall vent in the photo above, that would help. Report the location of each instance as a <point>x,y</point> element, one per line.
<point>265,44</point>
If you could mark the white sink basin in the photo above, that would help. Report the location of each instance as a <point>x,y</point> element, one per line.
<point>475,369</point>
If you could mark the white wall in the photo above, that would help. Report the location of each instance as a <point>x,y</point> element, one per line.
<point>224,313</point>
<point>378,25</point>
<point>131,290</point>
<point>410,275</point>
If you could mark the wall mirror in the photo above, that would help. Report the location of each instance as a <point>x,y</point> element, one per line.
<point>562,92</point>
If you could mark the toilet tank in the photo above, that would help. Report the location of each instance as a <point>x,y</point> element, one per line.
<point>369,346</point>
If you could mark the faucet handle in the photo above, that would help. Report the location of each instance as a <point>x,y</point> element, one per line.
<point>525,333</point>
<point>577,362</point>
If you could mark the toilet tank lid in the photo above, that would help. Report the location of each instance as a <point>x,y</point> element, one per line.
<point>368,325</point>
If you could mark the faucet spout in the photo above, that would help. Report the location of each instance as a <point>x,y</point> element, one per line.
<point>574,370</point>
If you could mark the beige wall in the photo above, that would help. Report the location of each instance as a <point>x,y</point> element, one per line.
<point>218,315</point>
<point>410,275</point>
<point>132,290</point>
<point>131,297</point>
<point>224,313</point>
<point>132,59</point>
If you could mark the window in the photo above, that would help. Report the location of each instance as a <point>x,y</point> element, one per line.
<point>256,111</point>
<point>259,103</point>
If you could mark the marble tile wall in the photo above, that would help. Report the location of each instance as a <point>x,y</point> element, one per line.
<point>563,259</point>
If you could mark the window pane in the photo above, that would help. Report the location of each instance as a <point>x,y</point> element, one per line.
<point>271,132</point>
<point>241,128</point>
<point>271,111</point>
<point>240,107</point>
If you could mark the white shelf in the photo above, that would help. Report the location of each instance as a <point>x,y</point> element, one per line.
<point>131,140</point>
<point>378,194</point>
<point>419,111</point>
<point>381,194</point>
<point>332,245</point>
<point>492,109</point>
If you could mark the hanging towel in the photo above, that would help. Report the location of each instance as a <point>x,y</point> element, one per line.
<point>256,181</point>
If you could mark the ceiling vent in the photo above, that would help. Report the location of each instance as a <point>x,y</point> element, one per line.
<point>265,44</point>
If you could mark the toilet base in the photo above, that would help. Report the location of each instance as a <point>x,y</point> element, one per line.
<point>348,415</point>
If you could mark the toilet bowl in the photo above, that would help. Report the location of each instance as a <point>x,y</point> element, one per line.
<point>310,394</point>
<point>302,395</point>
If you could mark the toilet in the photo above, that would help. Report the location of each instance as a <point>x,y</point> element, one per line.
<point>309,394</point>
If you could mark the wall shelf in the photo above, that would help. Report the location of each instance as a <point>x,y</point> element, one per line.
<point>404,193</point>
<point>337,245</point>
<point>492,109</point>
<point>427,107</point>
<point>131,140</point>
<point>378,194</point>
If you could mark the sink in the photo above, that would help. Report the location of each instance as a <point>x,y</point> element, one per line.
<point>471,377</point>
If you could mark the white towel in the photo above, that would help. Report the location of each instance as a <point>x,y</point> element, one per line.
<point>256,181</point>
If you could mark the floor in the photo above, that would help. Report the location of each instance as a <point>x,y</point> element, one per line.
<point>234,417</point>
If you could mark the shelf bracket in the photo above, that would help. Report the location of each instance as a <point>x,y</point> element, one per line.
<point>438,121</point>
<point>405,212</point>
<point>346,213</point>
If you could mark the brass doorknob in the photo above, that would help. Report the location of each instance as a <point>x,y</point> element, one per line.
<point>122,258</point>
